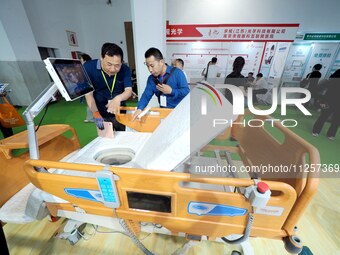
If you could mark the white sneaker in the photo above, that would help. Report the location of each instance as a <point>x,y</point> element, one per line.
<point>315,134</point>
<point>331,138</point>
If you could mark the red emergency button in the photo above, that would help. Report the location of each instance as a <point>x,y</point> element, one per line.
<point>262,187</point>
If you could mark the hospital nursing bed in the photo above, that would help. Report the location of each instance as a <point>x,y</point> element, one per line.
<point>165,198</point>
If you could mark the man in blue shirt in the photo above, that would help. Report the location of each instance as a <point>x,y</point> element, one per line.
<point>168,83</point>
<point>111,80</point>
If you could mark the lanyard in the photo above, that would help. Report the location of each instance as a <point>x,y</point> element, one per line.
<point>163,77</point>
<point>113,83</point>
<point>165,80</point>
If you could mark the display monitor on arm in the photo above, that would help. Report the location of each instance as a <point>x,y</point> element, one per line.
<point>69,76</point>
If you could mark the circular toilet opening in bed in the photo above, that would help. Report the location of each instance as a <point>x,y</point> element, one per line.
<point>115,156</point>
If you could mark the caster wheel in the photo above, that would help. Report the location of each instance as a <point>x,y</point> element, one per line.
<point>293,244</point>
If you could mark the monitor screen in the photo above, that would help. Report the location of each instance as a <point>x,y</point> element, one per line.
<point>70,77</point>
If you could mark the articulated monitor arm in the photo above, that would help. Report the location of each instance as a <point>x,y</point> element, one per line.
<point>32,111</point>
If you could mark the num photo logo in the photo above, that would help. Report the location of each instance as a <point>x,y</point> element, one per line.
<point>238,106</point>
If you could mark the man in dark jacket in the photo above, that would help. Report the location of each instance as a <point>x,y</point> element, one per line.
<point>330,105</point>
<point>311,83</point>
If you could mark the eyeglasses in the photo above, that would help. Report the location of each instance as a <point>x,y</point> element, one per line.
<point>152,65</point>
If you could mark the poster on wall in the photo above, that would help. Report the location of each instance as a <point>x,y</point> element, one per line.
<point>275,55</point>
<point>274,62</point>
<point>72,38</point>
<point>251,51</point>
<point>296,61</point>
<point>197,44</point>
<point>322,53</point>
<point>196,56</point>
<point>278,62</point>
<point>268,58</point>
<point>336,64</point>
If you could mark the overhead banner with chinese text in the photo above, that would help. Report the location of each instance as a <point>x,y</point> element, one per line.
<point>232,32</point>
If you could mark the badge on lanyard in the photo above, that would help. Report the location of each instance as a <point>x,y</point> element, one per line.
<point>163,101</point>
<point>113,83</point>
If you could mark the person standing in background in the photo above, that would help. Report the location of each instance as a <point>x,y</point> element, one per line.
<point>250,78</point>
<point>84,57</point>
<point>179,63</point>
<point>134,83</point>
<point>260,86</point>
<point>212,71</point>
<point>235,77</point>
<point>330,106</point>
<point>311,83</point>
<point>89,118</point>
<point>6,132</point>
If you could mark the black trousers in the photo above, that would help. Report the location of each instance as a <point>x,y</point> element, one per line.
<point>6,131</point>
<point>258,92</point>
<point>3,243</point>
<point>335,122</point>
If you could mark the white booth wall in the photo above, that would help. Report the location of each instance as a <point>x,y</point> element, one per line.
<point>313,15</point>
<point>94,23</point>
<point>20,62</point>
<point>29,24</point>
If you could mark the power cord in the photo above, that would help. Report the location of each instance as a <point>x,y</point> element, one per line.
<point>108,232</point>
<point>42,118</point>
<point>87,238</point>
<point>246,232</point>
<point>138,243</point>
